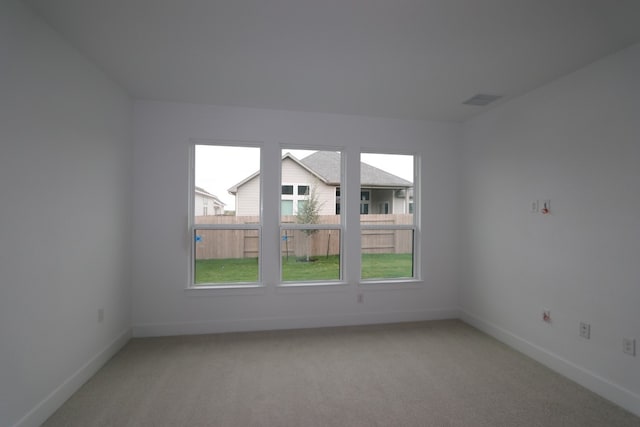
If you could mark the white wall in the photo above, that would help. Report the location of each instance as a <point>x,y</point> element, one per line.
<point>65,232</point>
<point>575,142</point>
<point>65,160</point>
<point>160,241</point>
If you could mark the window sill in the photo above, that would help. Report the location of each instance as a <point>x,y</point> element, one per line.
<point>390,284</point>
<point>253,289</point>
<point>293,287</point>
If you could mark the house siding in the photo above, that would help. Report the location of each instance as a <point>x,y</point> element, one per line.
<point>294,174</point>
<point>248,194</point>
<point>248,198</point>
<point>213,206</point>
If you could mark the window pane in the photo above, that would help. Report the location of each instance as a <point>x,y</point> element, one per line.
<point>386,184</point>
<point>310,255</point>
<point>286,207</point>
<point>227,181</point>
<point>386,201</point>
<point>387,254</point>
<point>312,178</point>
<point>226,256</point>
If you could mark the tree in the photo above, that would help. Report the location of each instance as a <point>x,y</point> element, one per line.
<point>309,213</point>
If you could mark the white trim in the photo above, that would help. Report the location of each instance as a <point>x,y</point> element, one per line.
<point>387,227</point>
<point>310,284</point>
<point>391,283</point>
<point>276,323</point>
<point>43,410</point>
<point>238,288</point>
<point>226,227</point>
<point>586,378</point>
<point>311,287</point>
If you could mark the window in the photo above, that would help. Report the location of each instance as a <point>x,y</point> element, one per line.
<point>286,207</point>
<point>365,196</point>
<point>227,243</point>
<point>226,248</point>
<point>387,222</point>
<point>310,228</point>
<point>293,198</point>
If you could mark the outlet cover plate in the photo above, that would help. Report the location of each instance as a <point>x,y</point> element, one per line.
<point>629,346</point>
<point>585,330</point>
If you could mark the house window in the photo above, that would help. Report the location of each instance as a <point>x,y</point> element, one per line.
<point>286,207</point>
<point>311,230</point>
<point>389,235</point>
<point>365,197</point>
<point>225,249</point>
<point>287,189</point>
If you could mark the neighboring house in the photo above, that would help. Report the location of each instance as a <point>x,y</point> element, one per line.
<point>381,192</point>
<point>206,203</point>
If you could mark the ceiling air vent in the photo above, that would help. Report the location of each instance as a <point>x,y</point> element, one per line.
<point>481,99</point>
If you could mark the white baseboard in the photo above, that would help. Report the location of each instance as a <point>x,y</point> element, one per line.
<point>274,323</point>
<point>43,410</point>
<point>590,380</point>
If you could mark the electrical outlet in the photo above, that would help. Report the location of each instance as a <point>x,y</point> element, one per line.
<point>629,346</point>
<point>100,315</point>
<point>546,207</point>
<point>585,330</point>
<point>546,316</point>
<point>360,297</point>
<point>534,206</point>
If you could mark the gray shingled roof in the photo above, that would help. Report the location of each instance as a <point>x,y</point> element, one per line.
<point>327,165</point>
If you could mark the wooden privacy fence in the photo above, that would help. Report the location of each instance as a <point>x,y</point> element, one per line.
<point>219,244</point>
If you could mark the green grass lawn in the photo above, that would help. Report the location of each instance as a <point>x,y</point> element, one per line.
<point>374,266</point>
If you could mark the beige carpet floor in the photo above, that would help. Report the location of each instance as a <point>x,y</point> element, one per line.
<point>440,373</point>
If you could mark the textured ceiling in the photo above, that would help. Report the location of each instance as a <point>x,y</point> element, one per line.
<point>416,59</point>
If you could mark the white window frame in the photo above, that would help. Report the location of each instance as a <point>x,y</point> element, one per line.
<point>295,197</point>
<point>415,227</point>
<point>294,226</point>
<point>193,227</point>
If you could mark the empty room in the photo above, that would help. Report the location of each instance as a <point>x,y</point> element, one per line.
<point>319,213</point>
